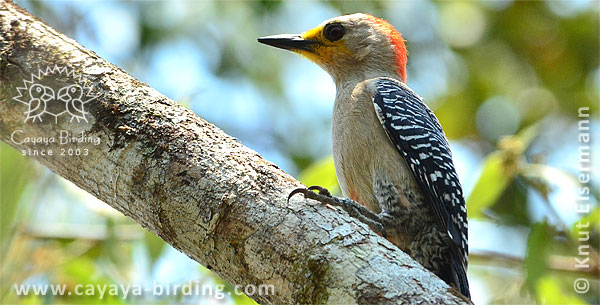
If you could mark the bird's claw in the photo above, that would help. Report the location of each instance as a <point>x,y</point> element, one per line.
<point>306,192</point>
<point>297,191</point>
<point>322,191</point>
<point>354,209</point>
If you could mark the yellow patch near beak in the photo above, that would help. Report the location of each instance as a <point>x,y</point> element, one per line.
<point>315,34</point>
<point>324,50</point>
<point>316,55</point>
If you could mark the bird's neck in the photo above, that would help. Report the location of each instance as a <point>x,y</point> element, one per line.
<point>352,78</point>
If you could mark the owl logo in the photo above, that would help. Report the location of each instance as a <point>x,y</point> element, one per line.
<point>43,102</point>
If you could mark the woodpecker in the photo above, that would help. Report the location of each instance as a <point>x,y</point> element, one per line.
<point>391,156</point>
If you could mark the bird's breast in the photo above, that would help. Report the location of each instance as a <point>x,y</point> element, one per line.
<point>354,141</point>
<point>363,154</point>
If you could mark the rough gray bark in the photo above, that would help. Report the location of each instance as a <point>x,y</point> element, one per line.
<point>196,187</point>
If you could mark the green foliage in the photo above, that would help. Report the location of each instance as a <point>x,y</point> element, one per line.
<point>588,223</point>
<point>512,207</point>
<point>499,170</point>
<point>492,182</point>
<point>550,291</point>
<point>538,252</point>
<point>541,280</point>
<point>15,173</point>
<point>82,271</point>
<point>239,299</point>
<point>154,244</point>
<point>321,173</point>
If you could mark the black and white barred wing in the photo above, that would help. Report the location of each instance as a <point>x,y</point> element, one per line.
<point>415,131</point>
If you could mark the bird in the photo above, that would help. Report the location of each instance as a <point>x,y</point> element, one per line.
<point>39,95</point>
<point>72,97</point>
<point>391,156</point>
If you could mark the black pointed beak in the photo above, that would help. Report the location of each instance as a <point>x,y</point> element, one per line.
<point>288,42</point>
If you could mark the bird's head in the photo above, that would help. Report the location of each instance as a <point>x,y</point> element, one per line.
<point>42,92</point>
<point>68,93</point>
<point>36,91</point>
<point>348,45</point>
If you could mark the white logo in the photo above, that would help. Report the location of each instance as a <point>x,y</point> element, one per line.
<point>42,101</point>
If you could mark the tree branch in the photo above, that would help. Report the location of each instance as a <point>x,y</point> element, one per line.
<point>184,179</point>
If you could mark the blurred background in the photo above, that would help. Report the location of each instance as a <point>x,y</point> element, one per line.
<point>505,78</point>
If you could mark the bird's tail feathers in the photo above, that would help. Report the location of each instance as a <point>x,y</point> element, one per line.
<point>459,274</point>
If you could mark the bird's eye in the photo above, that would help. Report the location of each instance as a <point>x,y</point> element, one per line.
<point>334,31</point>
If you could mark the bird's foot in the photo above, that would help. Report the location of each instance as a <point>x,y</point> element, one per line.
<point>353,208</point>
